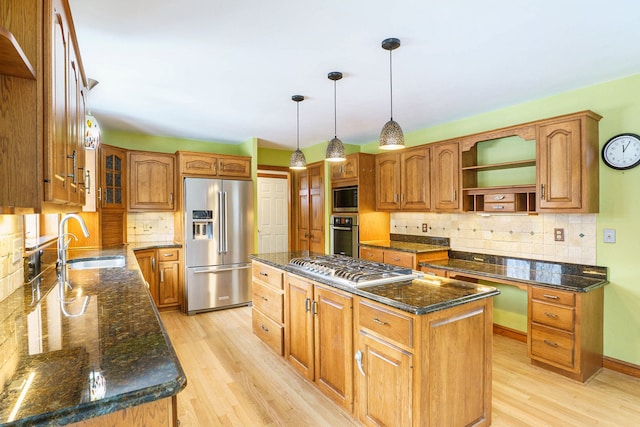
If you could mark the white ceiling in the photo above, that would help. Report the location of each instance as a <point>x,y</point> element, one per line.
<point>225,71</point>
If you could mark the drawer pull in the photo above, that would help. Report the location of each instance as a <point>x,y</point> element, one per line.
<point>498,207</point>
<point>263,298</point>
<point>262,273</point>
<point>551,315</point>
<point>551,296</point>
<point>379,322</point>
<point>498,197</point>
<point>307,305</point>
<point>264,328</point>
<point>167,254</point>
<point>396,259</point>
<point>551,343</point>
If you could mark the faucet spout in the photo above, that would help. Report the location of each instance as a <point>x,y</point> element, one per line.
<point>62,246</point>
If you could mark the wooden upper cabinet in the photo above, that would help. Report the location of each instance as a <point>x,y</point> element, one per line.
<point>214,165</point>
<point>388,181</point>
<point>234,167</point>
<point>445,169</point>
<point>151,181</point>
<point>402,180</point>
<point>567,164</point>
<point>415,185</point>
<point>112,188</point>
<point>344,171</point>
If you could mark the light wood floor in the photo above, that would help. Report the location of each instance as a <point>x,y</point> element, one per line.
<point>233,379</point>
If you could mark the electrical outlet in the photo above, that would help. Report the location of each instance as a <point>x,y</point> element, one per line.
<point>424,228</point>
<point>609,235</point>
<point>558,234</point>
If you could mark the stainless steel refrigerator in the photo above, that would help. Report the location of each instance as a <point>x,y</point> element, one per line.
<point>218,240</point>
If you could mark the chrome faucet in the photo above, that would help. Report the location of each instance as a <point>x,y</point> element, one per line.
<point>62,245</point>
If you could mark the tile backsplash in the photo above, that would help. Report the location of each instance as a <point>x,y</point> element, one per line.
<point>11,248</point>
<point>526,236</point>
<point>150,227</point>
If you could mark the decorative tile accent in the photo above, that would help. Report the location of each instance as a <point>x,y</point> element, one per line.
<point>143,227</point>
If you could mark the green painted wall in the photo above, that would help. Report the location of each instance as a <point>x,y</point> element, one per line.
<point>273,157</point>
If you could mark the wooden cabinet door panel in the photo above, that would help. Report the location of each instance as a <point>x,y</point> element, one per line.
<point>147,262</point>
<point>388,181</point>
<point>333,325</point>
<point>151,181</point>
<point>168,283</point>
<point>112,190</point>
<point>446,169</point>
<point>560,165</point>
<point>415,180</point>
<point>299,325</point>
<point>234,167</point>
<point>384,384</point>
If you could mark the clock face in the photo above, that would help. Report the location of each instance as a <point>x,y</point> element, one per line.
<point>622,151</point>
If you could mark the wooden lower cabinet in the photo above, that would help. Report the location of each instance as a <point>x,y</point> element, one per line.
<point>159,413</point>
<point>161,270</point>
<point>427,370</point>
<point>318,336</point>
<point>566,331</point>
<point>268,305</point>
<point>400,258</point>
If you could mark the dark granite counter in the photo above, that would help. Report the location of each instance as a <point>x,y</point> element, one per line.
<point>96,349</point>
<point>565,276</point>
<point>419,296</point>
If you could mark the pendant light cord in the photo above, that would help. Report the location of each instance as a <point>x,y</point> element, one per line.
<point>298,125</point>
<point>335,112</point>
<point>391,82</point>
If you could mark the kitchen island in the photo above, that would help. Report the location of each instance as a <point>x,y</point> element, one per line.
<point>100,355</point>
<point>409,353</point>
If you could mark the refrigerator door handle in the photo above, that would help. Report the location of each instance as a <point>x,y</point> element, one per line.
<point>218,270</point>
<point>226,239</point>
<point>221,221</point>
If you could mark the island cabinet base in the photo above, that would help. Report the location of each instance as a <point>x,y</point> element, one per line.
<point>427,370</point>
<point>158,413</point>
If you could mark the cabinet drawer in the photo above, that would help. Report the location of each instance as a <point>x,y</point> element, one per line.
<point>401,259</point>
<point>499,198</point>
<point>430,271</point>
<point>268,331</point>
<point>269,275</point>
<point>372,254</point>
<point>269,301</point>
<point>499,207</point>
<point>553,315</point>
<point>168,254</point>
<point>550,345</point>
<point>392,326</point>
<point>555,296</point>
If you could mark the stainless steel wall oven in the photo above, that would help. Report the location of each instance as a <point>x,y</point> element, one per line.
<point>344,235</point>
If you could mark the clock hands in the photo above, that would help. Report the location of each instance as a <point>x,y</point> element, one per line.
<point>624,148</point>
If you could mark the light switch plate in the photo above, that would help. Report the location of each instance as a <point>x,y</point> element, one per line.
<point>609,235</point>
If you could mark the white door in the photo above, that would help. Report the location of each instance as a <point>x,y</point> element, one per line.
<point>273,215</point>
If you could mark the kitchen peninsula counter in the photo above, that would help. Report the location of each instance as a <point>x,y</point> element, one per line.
<point>563,276</point>
<point>102,351</point>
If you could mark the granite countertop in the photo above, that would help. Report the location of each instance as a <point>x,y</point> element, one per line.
<point>101,350</point>
<point>564,276</point>
<point>419,296</point>
<point>411,247</point>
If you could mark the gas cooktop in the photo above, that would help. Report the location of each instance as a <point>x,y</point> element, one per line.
<point>352,271</point>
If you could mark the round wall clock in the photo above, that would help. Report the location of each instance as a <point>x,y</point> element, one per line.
<point>622,151</point>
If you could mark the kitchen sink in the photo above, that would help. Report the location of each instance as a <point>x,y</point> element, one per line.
<point>113,261</point>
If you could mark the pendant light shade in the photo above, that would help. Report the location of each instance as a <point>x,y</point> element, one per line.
<point>335,149</point>
<point>297,161</point>
<point>91,128</point>
<point>391,136</point>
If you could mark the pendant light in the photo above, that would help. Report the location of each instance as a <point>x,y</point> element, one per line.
<point>297,161</point>
<point>91,128</point>
<point>335,149</point>
<point>391,136</point>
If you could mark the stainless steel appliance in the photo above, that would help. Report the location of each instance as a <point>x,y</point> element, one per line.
<point>345,199</point>
<point>218,240</point>
<point>352,272</point>
<point>344,235</point>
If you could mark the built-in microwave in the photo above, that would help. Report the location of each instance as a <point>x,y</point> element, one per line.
<point>345,199</point>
